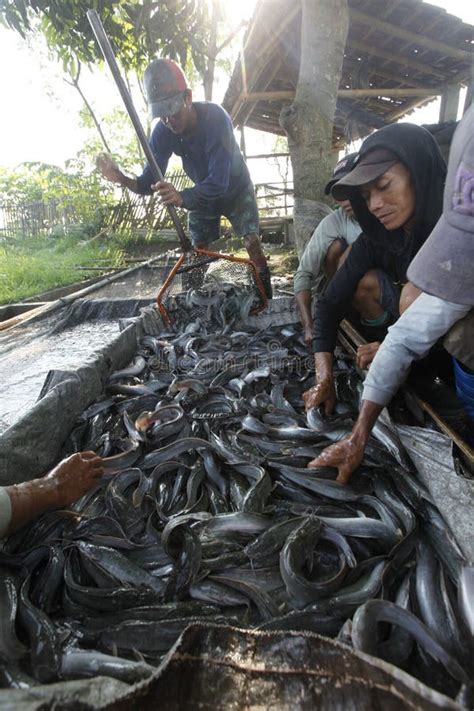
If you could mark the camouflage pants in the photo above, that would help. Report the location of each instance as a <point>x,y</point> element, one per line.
<point>242,213</point>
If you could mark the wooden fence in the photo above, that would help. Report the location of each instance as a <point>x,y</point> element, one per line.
<point>144,212</point>
<point>34,218</point>
<point>132,213</point>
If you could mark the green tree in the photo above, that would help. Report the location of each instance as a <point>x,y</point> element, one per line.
<point>194,32</point>
<point>138,30</point>
<point>77,192</point>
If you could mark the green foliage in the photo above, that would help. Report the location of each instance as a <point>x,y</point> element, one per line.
<point>31,266</point>
<point>79,196</point>
<point>138,30</point>
<point>120,135</point>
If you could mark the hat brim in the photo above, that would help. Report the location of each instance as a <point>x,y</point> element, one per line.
<point>361,175</point>
<point>329,186</point>
<point>166,107</point>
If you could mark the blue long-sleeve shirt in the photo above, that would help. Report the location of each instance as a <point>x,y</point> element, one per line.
<point>210,157</point>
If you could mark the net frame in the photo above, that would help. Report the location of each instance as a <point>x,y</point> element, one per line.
<point>213,257</point>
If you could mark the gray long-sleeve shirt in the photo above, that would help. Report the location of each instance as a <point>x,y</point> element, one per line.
<point>310,275</point>
<point>409,339</point>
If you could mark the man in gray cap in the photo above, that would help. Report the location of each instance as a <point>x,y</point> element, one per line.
<point>201,133</point>
<point>443,271</point>
<point>324,250</point>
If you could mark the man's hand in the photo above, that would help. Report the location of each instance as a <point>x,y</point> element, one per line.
<point>366,354</point>
<point>168,194</point>
<point>321,393</point>
<point>308,334</point>
<point>345,456</point>
<point>108,168</point>
<point>74,476</point>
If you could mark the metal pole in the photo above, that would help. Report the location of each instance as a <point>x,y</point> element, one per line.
<point>107,51</point>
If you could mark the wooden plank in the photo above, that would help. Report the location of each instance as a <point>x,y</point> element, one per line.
<point>415,38</point>
<point>268,96</point>
<point>386,91</point>
<point>448,111</point>
<point>403,110</point>
<point>243,70</point>
<point>377,71</point>
<point>267,47</point>
<point>271,74</point>
<point>394,93</point>
<point>351,333</point>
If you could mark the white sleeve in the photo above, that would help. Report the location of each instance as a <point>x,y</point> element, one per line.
<point>310,272</point>
<point>410,338</point>
<point>5,511</point>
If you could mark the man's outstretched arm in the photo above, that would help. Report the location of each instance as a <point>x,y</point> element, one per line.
<point>410,338</point>
<point>68,481</point>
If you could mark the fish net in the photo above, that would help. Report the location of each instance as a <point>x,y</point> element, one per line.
<point>208,271</point>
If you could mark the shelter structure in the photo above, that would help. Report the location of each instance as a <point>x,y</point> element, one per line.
<point>399,54</point>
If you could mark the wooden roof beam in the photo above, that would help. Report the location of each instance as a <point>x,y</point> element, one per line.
<point>346,93</point>
<point>394,30</point>
<point>373,70</point>
<point>386,91</point>
<point>267,47</point>
<point>402,110</point>
<point>242,114</point>
<point>399,59</point>
<point>392,6</point>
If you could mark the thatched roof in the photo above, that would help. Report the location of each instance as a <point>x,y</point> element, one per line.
<point>399,55</point>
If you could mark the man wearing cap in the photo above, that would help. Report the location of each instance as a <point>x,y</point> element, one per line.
<point>324,250</point>
<point>443,271</point>
<point>396,191</point>
<point>201,133</point>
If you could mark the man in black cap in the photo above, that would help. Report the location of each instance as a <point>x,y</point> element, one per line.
<point>443,271</point>
<point>396,191</point>
<point>324,250</point>
<point>201,133</point>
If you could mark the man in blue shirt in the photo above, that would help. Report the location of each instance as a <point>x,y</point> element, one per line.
<point>201,133</point>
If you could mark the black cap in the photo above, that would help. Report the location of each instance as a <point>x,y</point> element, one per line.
<point>343,167</point>
<point>366,168</point>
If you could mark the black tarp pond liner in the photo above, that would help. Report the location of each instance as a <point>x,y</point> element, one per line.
<point>214,668</point>
<point>235,668</point>
<point>62,340</point>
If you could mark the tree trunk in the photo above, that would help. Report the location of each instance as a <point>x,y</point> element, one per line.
<point>308,122</point>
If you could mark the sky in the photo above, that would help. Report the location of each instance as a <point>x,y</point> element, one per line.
<point>39,116</point>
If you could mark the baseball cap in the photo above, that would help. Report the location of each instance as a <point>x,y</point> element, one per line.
<point>444,265</point>
<point>342,168</point>
<point>366,168</point>
<point>165,85</point>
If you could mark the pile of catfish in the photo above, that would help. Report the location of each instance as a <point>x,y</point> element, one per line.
<point>208,513</point>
